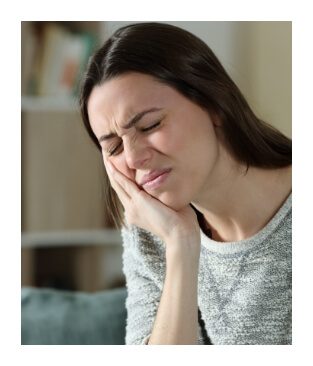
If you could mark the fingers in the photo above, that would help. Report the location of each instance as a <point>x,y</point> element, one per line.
<point>123,196</point>
<point>128,186</point>
<point>124,187</point>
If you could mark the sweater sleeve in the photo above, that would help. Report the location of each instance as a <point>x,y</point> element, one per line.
<point>144,269</point>
<point>143,284</point>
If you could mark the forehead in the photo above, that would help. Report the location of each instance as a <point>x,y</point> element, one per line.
<point>118,99</point>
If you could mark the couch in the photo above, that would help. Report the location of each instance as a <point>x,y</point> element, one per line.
<point>50,316</point>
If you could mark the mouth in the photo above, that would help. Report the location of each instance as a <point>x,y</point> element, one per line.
<point>155,180</point>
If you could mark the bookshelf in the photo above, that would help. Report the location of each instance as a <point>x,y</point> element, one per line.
<point>68,238</point>
<point>48,239</point>
<point>31,103</point>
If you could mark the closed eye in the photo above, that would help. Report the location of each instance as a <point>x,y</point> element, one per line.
<point>151,127</point>
<point>116,148</point>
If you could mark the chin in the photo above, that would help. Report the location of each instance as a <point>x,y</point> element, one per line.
<point>172,201</point>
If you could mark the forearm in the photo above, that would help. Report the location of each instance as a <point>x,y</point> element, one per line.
<point>176,321</point>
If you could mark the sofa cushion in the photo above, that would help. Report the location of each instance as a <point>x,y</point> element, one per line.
<point>63,317</point>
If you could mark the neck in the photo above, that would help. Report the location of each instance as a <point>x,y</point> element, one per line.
<point>238,204</point>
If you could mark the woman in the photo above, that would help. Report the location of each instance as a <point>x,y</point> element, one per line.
<point>205,192</point>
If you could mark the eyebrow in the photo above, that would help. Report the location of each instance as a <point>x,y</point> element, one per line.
<point>135,119</point>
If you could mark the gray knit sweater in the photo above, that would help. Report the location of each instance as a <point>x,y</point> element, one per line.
<point>244,287</point>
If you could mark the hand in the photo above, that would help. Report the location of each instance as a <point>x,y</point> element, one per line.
<point>145,211</point>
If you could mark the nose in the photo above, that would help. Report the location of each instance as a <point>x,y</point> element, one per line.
<point>136,156</point>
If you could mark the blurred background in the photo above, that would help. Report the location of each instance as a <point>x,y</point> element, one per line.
<point>68,240</point>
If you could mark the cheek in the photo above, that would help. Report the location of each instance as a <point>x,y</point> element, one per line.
<point>169,141</point>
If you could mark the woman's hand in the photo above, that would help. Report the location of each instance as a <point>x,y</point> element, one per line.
<point>145,211</point>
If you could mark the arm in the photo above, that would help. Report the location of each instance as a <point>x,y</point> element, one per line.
<point>144,271</point>
<point>177,317</point>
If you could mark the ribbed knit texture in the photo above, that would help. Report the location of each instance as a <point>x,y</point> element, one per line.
<point>244,288</point>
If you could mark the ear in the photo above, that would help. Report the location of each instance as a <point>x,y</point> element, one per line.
<point>216,119</point>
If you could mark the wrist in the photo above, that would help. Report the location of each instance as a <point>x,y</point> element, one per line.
<point>183,249</point>
<point>182,234</point>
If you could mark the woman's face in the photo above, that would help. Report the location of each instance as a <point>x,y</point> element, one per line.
<point>171,135</point>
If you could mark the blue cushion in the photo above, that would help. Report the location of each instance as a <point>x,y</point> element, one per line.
<point>64,317</point>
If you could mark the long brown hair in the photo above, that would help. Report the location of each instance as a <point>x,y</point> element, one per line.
<point>183,61</point>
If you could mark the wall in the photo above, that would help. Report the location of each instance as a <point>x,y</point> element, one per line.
<point>271,72</point>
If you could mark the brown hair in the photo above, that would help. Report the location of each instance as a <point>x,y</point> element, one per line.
<point>183,61</point>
